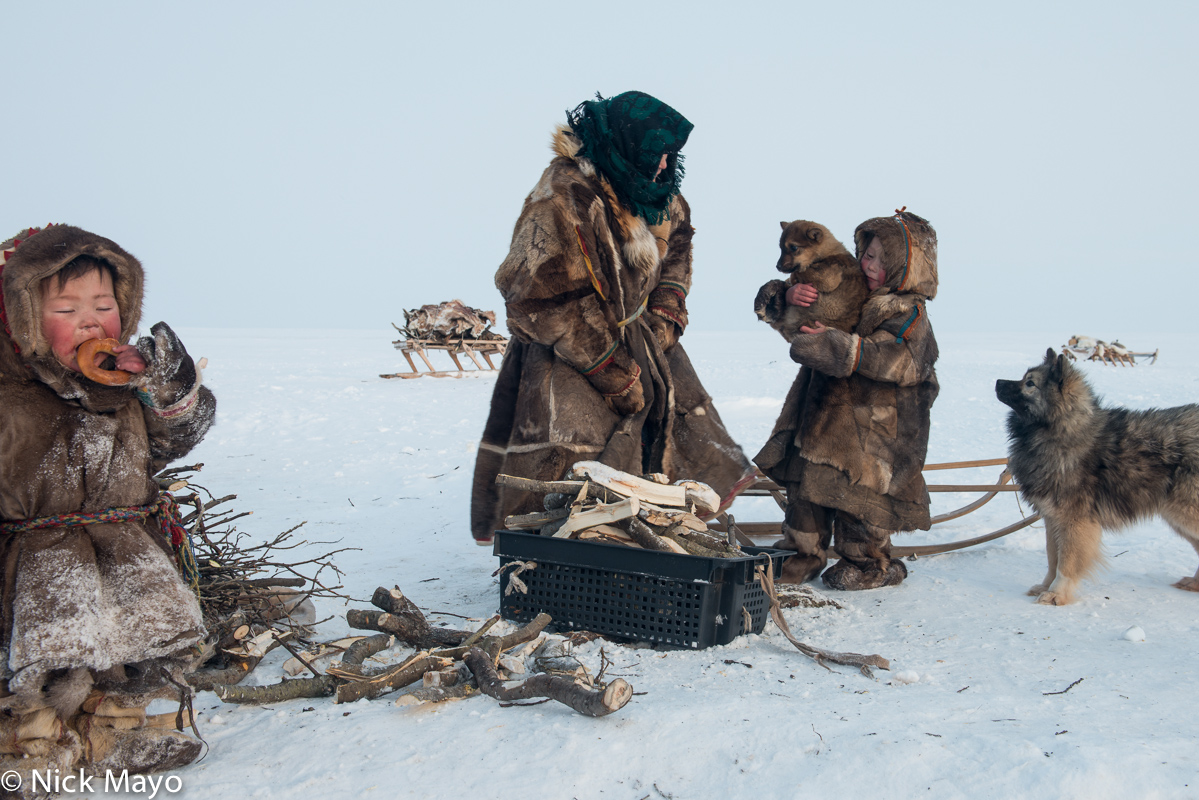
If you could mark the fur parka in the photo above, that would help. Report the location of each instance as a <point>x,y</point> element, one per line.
<point>595,301</point>
<point>853,431</point>
<point>98,602</point>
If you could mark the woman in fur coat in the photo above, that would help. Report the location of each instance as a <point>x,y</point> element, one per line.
<point>850,442</point>
<point>95,621</point>
<point>595,287</point>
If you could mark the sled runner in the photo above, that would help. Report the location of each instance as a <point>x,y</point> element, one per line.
<point>472,348</point>
<point>759,532</point>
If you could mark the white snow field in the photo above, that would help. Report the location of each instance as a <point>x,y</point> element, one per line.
<point>972,707</point>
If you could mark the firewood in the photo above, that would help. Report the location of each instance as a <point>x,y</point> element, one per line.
<point>628,485</point>
<point>606,532</point>
<point>323,686</point>
<point>294,666</point>
<point>592,703</point>
<point>600,514</point>
<point>444,678</point>
<point>438,694</point>
<point>366,647</point>
<point>644,536</point>
<point>701,496</point>
<point>407,673</point>
<point>207,680</point>
<point>552,487</point>
<point>525,522</point>
<point>402,619</point>
<point>504,643</point>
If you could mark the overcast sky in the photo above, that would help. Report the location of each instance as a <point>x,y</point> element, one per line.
<point>327,165</point>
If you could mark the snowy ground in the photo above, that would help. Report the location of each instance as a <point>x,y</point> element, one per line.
<point>308,431</point>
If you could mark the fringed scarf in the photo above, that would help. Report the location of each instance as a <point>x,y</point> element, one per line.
<point>625,137</point>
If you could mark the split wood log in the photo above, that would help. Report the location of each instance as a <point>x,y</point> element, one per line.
<point>407,673</point>
<point>322,686</point>
<point>593,703</point>
<point>630,485</point>
<point>862,662</point>
<point>599,515</point>
<point>525,522</point>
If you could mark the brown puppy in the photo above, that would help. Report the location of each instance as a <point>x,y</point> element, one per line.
<point>1087,469</point>
<point>810,254</point>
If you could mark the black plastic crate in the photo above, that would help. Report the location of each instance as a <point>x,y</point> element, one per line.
<point>627,593</point>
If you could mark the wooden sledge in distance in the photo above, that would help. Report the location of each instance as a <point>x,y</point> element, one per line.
<point>472,348</point>
<point>766,532</point>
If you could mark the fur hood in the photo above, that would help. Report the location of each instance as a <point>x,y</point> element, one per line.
<point>35,254</point>
<point>909,252</point>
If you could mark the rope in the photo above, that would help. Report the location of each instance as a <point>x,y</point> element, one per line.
<point>164,508</point>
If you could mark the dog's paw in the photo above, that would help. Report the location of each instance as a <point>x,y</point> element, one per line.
<point>1054,599</point>
<point>1037,590</point>
<point>1189,584</point>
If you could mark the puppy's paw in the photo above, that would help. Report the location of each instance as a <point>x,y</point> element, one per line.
<point>1189,584</point>
<point>1055,599</point>
<point>1037,590</point>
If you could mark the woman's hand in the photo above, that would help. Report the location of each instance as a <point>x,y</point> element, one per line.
<point>815,327</point>
<point>802,294</point>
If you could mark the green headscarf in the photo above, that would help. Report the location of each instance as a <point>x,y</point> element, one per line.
<point>625,137</point>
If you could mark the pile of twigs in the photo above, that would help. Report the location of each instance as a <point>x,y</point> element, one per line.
<point>255,596</point>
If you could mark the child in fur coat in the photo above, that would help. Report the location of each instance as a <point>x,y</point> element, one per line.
<point>95,621</point>
<point>850,442</point>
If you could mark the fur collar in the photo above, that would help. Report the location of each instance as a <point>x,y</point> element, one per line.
<point>643,246</point>
<point>881,306</point>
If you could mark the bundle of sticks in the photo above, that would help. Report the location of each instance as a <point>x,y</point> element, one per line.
<point>253,594</point>
<point>449,664</point>
<point>597,503</point>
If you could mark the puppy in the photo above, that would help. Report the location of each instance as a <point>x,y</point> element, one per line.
<point>1087,468</point>
<point>810,254</point>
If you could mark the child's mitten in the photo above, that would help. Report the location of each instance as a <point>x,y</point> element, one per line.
<point>171,379</point>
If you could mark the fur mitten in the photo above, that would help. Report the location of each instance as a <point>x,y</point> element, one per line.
<point>833,352</point>
<point>170,377</point>
<point>620,386</point>
<point>667,308</point>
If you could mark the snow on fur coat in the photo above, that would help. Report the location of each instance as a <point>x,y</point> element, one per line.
<point>579,266</point>
<point>99,597</point>
<point>853,431</point>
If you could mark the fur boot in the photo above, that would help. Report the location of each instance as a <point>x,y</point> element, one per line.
<point>865,552</point>
<point>34,741</point>
<point>112,727</point>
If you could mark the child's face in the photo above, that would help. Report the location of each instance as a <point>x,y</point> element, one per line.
<point>872,265</point>
<point>84,308</point>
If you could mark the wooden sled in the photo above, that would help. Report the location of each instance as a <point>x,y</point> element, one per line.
<point>472,348</point>
<point>765,533</point>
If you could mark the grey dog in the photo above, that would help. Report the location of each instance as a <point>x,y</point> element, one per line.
<point>1088,469</point>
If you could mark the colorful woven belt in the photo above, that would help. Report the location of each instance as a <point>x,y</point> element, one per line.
<point>164,508</point>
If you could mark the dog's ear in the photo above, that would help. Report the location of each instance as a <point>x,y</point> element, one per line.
<point>783,225</point>
<point>815,234</point>
<point>1057,369</point>
<point>1049,355</point>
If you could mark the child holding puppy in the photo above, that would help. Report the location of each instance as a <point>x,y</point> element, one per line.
<point>95,621</point>
<point>850,442</point>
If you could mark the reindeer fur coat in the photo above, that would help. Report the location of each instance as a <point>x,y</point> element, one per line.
<point>99,601</point>
<point>854,428</point>
<point>590,288</point>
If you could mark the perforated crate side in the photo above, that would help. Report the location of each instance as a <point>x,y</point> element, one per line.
<point>662,598</point>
